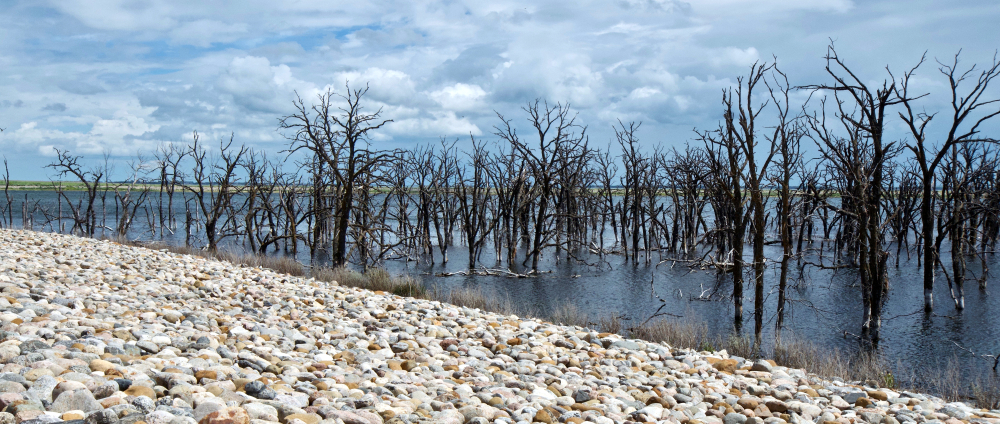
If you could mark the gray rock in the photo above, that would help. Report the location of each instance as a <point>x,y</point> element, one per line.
<point>954,412</point>
<point>259,411</point>
<point>105,390</point>
<point>159,417</point>
<point>77,400</point>
<point>8,353</point>
<point>581,396</point>
<point>104,416</point>
<point>33,346</point>
<point>734,418</point>
<point>144,404</point>
<point>148,346</point>
<point>207,408</point>
<point>131,419</point>
<point>871,417</point>
<point>626,344</point>
<point>42,388</point>
<point>11,387</point>
<point>853,397</point>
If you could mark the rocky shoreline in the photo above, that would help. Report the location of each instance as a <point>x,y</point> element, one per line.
<point>100,333</point>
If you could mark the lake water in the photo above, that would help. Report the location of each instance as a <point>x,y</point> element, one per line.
<point>823,304</point>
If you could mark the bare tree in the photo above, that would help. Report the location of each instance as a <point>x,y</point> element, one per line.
<point>473,198</point>
<point>964,106</point>
<point>557,141</point>
<point>169,158</point>
<point>84,212</point>
<point>215,183</point>
<point>7,213</point>
<point>338,137</point>
<point>130,195</point>
<point>785,140</point>
<point>861,157</point>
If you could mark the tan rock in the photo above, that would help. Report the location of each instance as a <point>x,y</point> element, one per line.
<point>306,418</point>
<point>725,365</point>
<point>877,394</point>
<point>226,416</point>
<point>136,390</point>
<point>543,416</point>
<point>101,365</point>
<point>72,415</point>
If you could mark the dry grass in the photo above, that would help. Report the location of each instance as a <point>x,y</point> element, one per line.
<point>375,279</point>
<point>476,297</point>
<point>282,264</point>
<point>568,314</point>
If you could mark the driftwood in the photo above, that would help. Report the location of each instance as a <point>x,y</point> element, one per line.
<point>491,272</point>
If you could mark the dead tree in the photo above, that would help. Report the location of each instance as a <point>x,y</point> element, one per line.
<point>861,157</point>
<point>215,183</point>
<point>965,119</point>
<point>83,211</point>
<point>473,199</point>
<point>740,124</point>
<point>636,166</point>
<point>130,195</point>
<point>558,140</point>
<point>785,140</point>
<point>444,202</point>
<point>727,160</point>
<point>338,137</point>
<point>169,158</point>
<point>7,213</point>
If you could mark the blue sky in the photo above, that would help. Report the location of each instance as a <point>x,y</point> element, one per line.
<point>120,77</point>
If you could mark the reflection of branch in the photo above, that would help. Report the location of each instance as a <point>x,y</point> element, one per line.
<point>995,357</point>
<point>918,311</point>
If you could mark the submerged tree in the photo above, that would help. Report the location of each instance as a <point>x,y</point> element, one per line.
<point>964,122</point>
<point>337,136</point>
<point>859,158</point>
<point>84,211</point>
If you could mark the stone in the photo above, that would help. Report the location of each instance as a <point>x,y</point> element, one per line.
<point>229,415</point>
<point>135,390</point>
<point>871,417</point>
<point>76,400</point>
<point>207,408</point>
<point>143,404</point>
<point>100,365</point>
<point>33,346</point>
<point>260,411</point>
<point>43,387</point>
<point>105,390</point>
<point>305,418</point>
<point>734,418</point>
<point>104,416</point>
<point>727,366</point>
<point>73,415</point>
<point>543,416</point>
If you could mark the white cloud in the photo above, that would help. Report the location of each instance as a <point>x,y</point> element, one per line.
<point>116,135</point>
<point>461,97</point>
<point>437,68</point>
<point>439,124</point>
<point>126,15</point>
<point>257,86</point>
<point>204,32</point>
<point>385,85</point>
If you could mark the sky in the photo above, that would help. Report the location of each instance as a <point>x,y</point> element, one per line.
<point>118,78</point>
